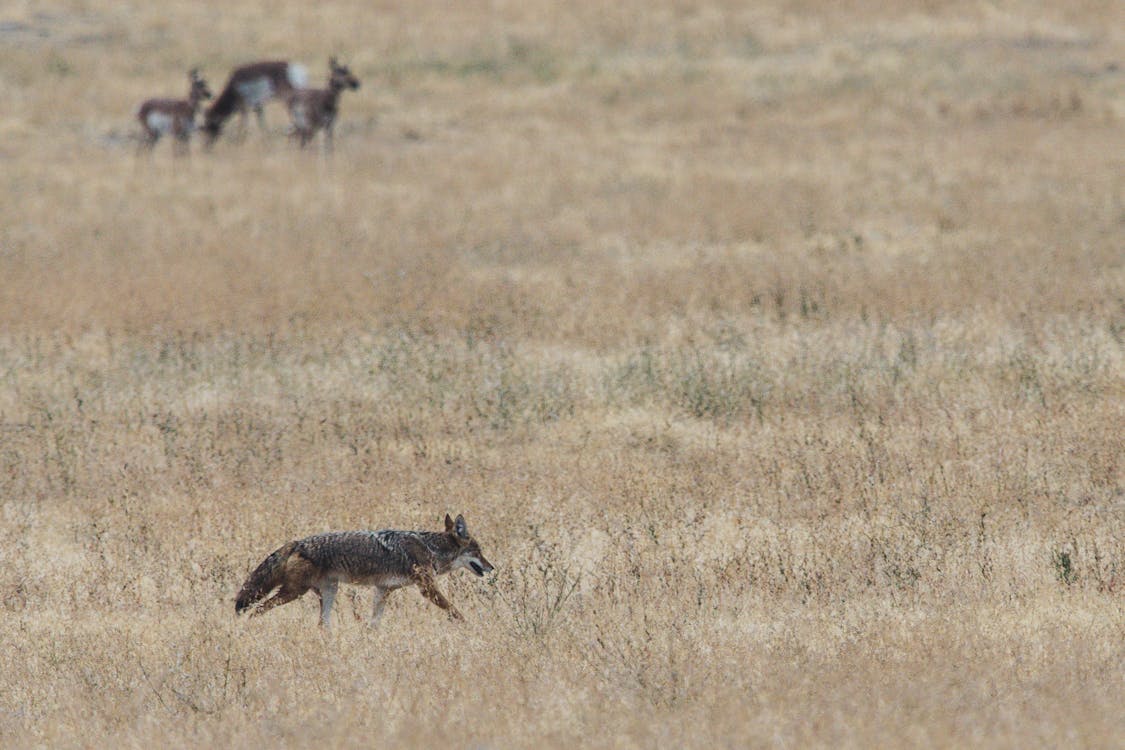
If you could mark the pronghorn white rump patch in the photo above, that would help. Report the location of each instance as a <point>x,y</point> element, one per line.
<point>300,115</point>
<point>256,90</point>
<point>298,75</point>
<point>159,122</point>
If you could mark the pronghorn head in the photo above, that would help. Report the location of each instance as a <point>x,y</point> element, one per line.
<point>339,77</point>
<point>199,89</point>
<point>468,550</point>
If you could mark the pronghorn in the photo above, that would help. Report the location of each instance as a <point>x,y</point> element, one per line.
<point>313,109</point>
<point>175,116</point>
<point>250,87</point>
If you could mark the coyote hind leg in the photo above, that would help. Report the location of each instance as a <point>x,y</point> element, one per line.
<point>379,600</point>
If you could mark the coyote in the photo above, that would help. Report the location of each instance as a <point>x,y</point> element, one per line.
<point>387,559</point>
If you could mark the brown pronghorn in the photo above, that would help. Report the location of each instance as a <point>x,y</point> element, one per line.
<point>313,109</point>
<point>249,88</point>
<point>173,116</point>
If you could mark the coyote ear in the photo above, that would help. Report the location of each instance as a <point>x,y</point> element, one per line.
<point>448,524</point>
<point>460,527</point>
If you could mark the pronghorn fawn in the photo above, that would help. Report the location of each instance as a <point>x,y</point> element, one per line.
<point>173,116</point>
<point>249,88</point>
<point>314,109</point>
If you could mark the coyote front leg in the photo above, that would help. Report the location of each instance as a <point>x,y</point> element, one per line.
<point>284,595</point>
<point>428,586</point>
<point>327,594</point>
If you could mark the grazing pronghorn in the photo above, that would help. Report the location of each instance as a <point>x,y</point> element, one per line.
<point>173,116</point>
<point>314,109</point>
<point>250,87</point>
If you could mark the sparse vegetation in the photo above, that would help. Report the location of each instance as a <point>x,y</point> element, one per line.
<point>775,353</point>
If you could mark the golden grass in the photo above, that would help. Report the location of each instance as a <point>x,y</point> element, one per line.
<point>776,356</point>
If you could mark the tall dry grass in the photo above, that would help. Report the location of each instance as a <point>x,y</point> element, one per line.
<point>776,356</point>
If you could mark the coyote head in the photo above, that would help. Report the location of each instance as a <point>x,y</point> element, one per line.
<point>468,551</point>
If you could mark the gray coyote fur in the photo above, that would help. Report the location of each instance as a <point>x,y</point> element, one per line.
<point>387,559</point>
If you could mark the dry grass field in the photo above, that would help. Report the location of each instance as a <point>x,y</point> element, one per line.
<point>774,352</point>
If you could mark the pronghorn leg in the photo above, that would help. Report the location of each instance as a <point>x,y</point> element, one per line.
<point>147,140</point>
<point>426,584</point>
<point>260,111</point>
<point>243,117</point>
<point>180,145</point>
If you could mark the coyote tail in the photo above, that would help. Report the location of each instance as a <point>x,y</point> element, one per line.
<point>265,578</point>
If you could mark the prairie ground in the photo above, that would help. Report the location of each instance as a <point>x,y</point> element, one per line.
<point>774,352</point>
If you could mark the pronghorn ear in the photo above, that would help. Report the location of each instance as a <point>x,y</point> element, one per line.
<point>448,524</point>
<point>460,527</point>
